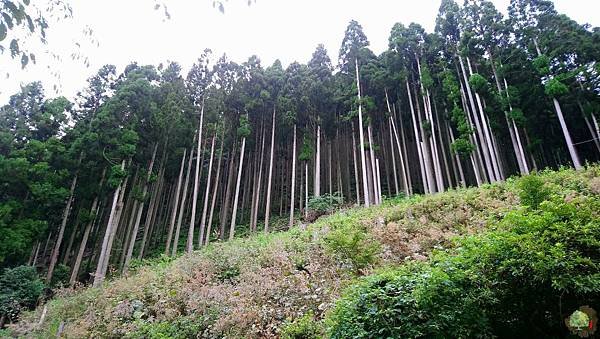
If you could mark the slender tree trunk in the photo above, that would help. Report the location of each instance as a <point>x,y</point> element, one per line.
<point>184,196</point>
<point>256,205</point>
<point>567,135</point>
<point>216,191</point>
<point>291,223</point>
<point>175,204</point>
<point>237,191</point>
<point>356,178</point>
<point>204,209</point>
<point>63,224</point>
<point>190,240</point>
<point>99,276</point>
<point>317,178</point>
<point>361,139</point>
<point>417,140</point>
<point>376,193</point>
<point>268,208</point>
<point>139,212</point>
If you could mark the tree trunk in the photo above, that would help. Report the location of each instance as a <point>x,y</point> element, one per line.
<point>175,203</point>
<point>361,139</point>
<point>567,135</point>
<point>291,223</point>
<point>190,240</point>
<point>182,206</point>
<point>270,179</point>
<point>216,191</point>
<point>317,191</point>
<point>99,276</point>
<point>237,191</point>
<point>356,179</point>
<point>139,212</point>
<point>204,209</point>
<point>63,224</point>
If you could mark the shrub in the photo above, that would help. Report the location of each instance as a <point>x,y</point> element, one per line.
<point>532,191</point>
<point>304,327</point>
<point>180,328</point>
<point>326,203</point>
<point>352,243</point>
<point>520,280</point>
<point>20,289</point>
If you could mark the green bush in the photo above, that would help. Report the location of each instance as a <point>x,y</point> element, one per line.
<point>532,191</point>
<point>304,327</point>
<point>520,280</point>
<point>180,328</point>
<point>326,202</point>
<point>20,289</point>
<point>352,243</point>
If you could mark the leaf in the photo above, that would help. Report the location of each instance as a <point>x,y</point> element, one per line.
<point>32,57</point>
<point>14,48</point>
<point>3,31</point>
<point>8,19</point>
<point>26,2</point>
<point>30,23</point>
<point>24,60</point>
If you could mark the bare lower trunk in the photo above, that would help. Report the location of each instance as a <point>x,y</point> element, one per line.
<point>139,212</point>
<point>291,223</point>
<point>214,197</point>
<point>182,206</point>
<point>175,204</point>
<point>237,191</point>
<point>208,181</point>
<point>99,276</point>
<point>190,240</point>
<point>356,178</point>
<point>270,179</point>
<point>317,191</point>
<point>361,139</point>
<point>567,135</point>
<point>63,224</point>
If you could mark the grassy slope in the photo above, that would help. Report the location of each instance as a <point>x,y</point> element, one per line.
<point>249,287</point>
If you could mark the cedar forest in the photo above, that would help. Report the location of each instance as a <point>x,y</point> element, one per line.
<point>152,162</point>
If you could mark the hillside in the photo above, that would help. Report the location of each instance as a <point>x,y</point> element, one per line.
<point>286,283</point>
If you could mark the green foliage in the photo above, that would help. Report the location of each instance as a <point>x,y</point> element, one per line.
<point>304,327</point>
<point>542,65</point>
<point>514,281</point>
<point>533,191</point>
<point>325,203</point>
<point>478,83</point>
<point>20,289</point>
<point>244,130</point>
<point>61,275</point>
<point>353,244</point>
<point>306,152</point>
<point>116,176</point>
<point>180,328</point>
<point>555,88</point>
<point>463,147</point>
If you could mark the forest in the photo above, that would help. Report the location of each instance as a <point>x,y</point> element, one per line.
<point>152,162</point>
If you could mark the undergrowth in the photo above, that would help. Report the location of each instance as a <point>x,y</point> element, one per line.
<point>284,283</point>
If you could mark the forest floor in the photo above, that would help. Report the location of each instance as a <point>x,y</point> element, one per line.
<point>255,286</point>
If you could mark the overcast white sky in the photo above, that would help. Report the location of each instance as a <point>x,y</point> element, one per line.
<point>288,30</point>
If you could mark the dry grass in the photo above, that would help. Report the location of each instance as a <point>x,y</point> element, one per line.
<point>250,287</point>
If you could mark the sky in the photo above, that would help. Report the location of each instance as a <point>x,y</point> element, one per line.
<point>288,30</point>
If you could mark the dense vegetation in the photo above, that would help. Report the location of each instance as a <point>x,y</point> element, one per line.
<point>149,163</point>
<point>497,267</point>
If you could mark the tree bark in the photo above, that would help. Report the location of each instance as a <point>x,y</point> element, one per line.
<point>269,180</point>
<point>208,181</point>
<point>175,203</point>
<point>361,139</point>
<point>291,223</point>
<point>237,191</point>
<point>190,240</point>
